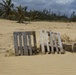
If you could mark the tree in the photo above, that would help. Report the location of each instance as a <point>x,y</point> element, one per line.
<point>1,12</point>
<point>7,7</point>
<point>20,14</point>
<point>73,16</point>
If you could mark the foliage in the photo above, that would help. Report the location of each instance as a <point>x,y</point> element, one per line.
<point>20,14</point>
<point>73,16</point>
<point>7,7</point>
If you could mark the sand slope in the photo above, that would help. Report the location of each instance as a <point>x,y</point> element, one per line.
<point>40,64</point>
<point>8,27</point>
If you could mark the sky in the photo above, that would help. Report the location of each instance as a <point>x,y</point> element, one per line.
<point>58,6</point>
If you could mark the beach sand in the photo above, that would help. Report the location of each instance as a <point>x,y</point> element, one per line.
<point>52,64</point>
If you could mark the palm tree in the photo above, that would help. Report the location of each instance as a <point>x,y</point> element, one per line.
<point>1,12</point>
<point>20,14</point>
<point>7,7</point>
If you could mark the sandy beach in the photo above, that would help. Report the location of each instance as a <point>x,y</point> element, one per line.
<point>52,64</point>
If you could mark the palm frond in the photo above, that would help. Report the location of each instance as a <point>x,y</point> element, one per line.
<point>9,2</point>
<point>12,5</point>
<point>7,6</point>
<point>20,14</point>
<point>4,3</point>
<point>1,4</point>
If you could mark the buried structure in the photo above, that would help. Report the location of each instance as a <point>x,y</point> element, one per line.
<point>22,43</point>
<point>51,42</point>
<point>25,43</point>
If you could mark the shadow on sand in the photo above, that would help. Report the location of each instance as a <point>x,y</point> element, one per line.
<point>70,47</point>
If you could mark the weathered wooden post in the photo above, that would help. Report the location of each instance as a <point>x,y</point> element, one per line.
<point>47,42</point>
<point>42,42</point>
<point>51,43</point>
<point>55,41</point>
<point>25,43</point>
<point>34,40</point>
<point>20,43</point>
<point>60,44</point>
<point>16,43</point>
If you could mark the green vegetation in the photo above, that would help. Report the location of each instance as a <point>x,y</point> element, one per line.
<point>6,8</point>
<point>19,13</point>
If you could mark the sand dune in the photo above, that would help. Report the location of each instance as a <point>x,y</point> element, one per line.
<point>39,64</point>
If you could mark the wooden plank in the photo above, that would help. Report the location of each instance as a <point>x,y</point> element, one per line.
<point>25,43</point>
<point>46,35</point>
<point>42,43</point>
<point>50,45</point>
<point>20,43</point>
<point>73,47</point>
<point>60,43</point>
<point>30,32</point>
<point>51,32</point>
<point>51,42</point>
<point>30,46</point>
<point>34,39</point>
<point>55,43</point>
<point>16,44</point>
